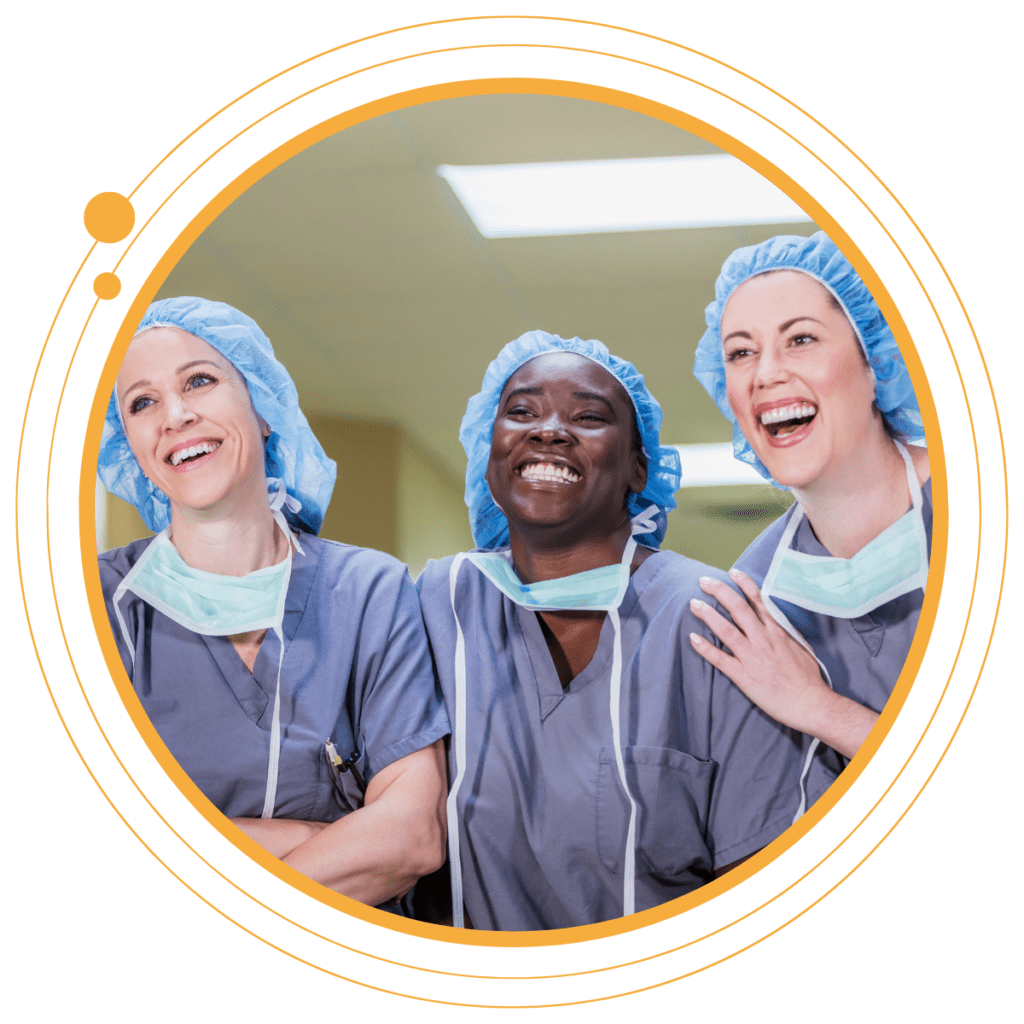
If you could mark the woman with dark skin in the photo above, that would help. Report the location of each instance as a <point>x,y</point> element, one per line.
<point>588,759</point>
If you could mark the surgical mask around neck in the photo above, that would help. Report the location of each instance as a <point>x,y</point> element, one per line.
<point>892,564</point>
<point>214,605</point>
<point>600,589</point>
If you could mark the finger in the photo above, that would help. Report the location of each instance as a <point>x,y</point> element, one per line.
<point>715,656</point>
<point>727,632</point>
<point>735,604</point>
<point>752,592</point>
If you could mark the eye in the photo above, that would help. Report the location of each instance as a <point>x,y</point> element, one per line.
<point>737,353</point>
<point>140,403</point>
<point>198,380</point>
<point>802,339</point>
<point>591,416</point>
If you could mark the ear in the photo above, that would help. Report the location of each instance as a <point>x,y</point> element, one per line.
<point>638,478</point>
<point>264,426</point>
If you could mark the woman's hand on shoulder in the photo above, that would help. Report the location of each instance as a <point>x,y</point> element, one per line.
<point>773,670</point>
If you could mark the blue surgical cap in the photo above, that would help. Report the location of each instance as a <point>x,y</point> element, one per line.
<point>293,454</point>
<point>488,522</point>
<point>819,257</point>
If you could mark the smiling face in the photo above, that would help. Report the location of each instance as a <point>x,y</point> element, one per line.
<point>796,378</point>
<point>563,453</point>
<point>190,421</point>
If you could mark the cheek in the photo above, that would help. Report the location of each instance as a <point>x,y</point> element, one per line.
<point>736,392</point>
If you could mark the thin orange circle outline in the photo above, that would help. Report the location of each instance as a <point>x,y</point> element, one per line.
<point>946,274</point>
<point>142,723</point>
<point>215,205</point>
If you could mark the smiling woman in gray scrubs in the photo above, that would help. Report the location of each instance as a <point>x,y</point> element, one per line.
<point>800,359</point>
<point>597,765</point>
<point>288,676</point>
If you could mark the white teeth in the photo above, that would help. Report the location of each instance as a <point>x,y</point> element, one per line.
<point>798,411</point>
<point>203,448</point>
<point>548,471</point>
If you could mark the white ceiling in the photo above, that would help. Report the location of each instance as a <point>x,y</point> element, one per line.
<point>385,303</point>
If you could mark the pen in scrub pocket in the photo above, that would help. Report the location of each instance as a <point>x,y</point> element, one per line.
<point>339,765</point>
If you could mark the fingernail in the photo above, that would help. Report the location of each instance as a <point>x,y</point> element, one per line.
<point>695,639</point>
<point>736,574</point>
<point>696,602</point>
<point>707,579</point>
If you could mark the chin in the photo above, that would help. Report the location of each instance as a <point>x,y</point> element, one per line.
<point>794,473</point>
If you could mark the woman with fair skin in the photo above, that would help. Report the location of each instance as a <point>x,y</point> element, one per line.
<point>288,676</point>
<point>799,357</point>
<point>595,771</point>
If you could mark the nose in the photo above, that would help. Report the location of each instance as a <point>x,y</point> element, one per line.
<point>178,413</point>
<point>771,368</point>
<point>551,429</point>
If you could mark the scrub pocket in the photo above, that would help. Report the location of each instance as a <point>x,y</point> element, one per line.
<point>672,791</point>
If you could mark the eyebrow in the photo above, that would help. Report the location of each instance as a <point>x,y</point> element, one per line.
<point>180,370</point>
<point>782,327</point>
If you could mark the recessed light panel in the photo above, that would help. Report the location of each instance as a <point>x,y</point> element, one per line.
<point>586,196</point>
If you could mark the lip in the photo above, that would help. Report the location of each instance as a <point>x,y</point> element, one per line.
<point>187,467</point>
<point>798,435</point>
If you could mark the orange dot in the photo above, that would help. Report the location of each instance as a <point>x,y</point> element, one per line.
<point>107,286</point>
<point>109,217</point>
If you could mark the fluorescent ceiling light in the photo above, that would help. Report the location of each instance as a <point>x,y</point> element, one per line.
<point>584,196</point>
<point>713,465</point>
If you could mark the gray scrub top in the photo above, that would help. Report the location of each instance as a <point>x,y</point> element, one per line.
<point>863,656</point>
<point>356,670</point>
<point>542,813</point>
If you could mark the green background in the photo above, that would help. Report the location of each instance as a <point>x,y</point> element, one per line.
<point>94,96</point>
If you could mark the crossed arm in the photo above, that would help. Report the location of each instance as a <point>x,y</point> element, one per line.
<point>775,672</point>
<point>379,851</point>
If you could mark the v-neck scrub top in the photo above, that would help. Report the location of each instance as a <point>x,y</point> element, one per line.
<point>542,813</point>
<point>863,656</point>
<point>356,670</point>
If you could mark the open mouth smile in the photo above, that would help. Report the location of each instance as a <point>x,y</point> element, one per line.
<point>784,421</point>
<point>191,453</point>
<point>547,472</point>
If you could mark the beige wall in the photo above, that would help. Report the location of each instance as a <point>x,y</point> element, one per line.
<point>124,524</point>
<point>432,517</point>
<point>364,507</point>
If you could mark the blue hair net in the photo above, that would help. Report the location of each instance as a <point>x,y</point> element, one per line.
<point>488,522</point>
<point>293,454</point>
<point>819,257</point>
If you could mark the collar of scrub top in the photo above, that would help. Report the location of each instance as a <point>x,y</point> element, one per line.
<point>163,579</point>
<point>575,596</point>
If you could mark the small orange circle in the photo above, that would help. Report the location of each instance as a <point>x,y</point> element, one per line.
<point>109,217</point>
<point>107,286</point>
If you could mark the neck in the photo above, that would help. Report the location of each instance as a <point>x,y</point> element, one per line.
<point>849,509</point>
<point>536,558</point>
<point>230,541</point>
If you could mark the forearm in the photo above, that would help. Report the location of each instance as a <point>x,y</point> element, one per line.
<point>371,855</point>
<point>279,836</point>
<point>379,851</point>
